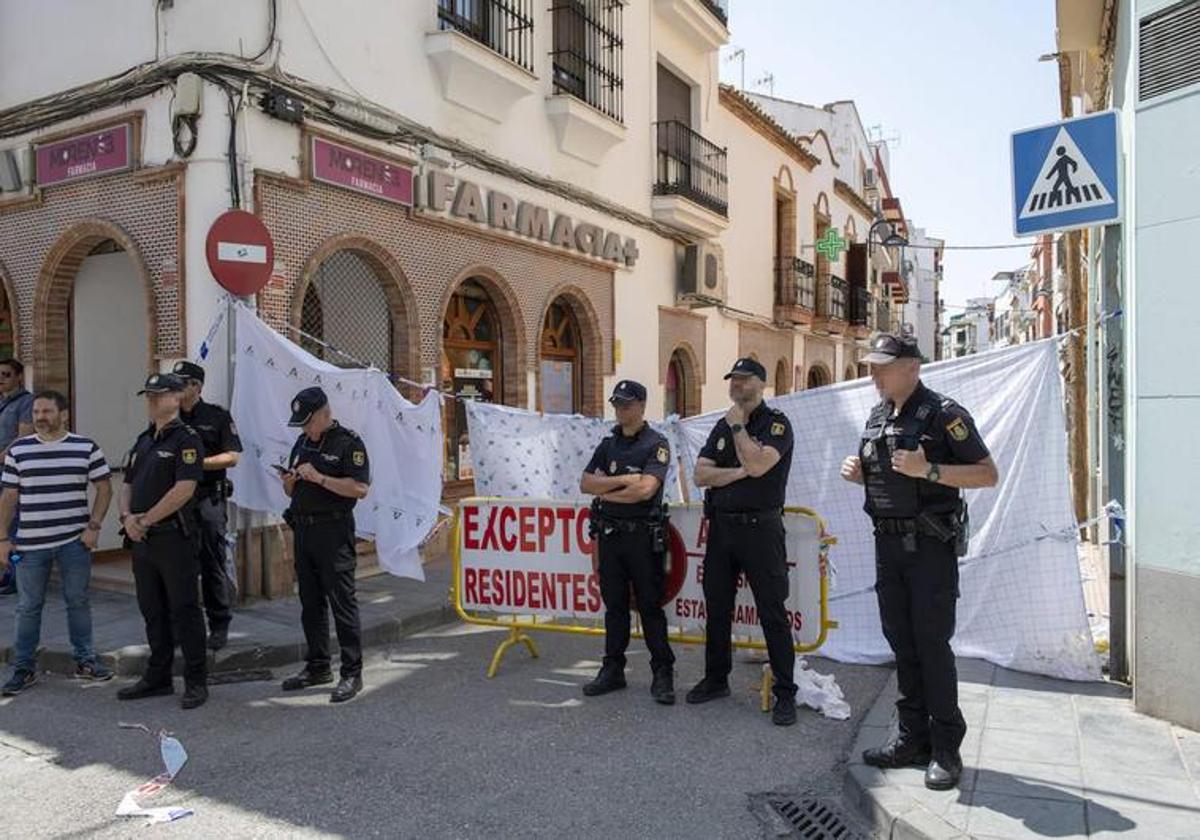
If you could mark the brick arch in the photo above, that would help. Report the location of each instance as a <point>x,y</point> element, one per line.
<point>10,296</point>
<point>52,299</point>
<point>822,371</point>
<point>822,205</point>
<point>784,179</point>
<point>691,376</point>
<point>850,231</point>
<point>514,341</point>
<point>591,340</point>
<point>402,302</point>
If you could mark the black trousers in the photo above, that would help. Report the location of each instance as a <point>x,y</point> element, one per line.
<point>164,571</point>
<point>918,598</point>
<point>626,558</point>
<point>325,562</point>
<point>215,581</point>
<point>759,550</point>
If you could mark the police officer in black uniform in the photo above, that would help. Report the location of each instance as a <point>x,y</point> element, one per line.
<point>158,517</point>
<point>327,473</point>
<point>629,526</point>
<point>221,447</point>
<point>744,466</point>
<point>918,452</point>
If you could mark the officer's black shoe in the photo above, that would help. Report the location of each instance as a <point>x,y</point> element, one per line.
<point>141,689</point>
<point>784,713</point>
<point>346,689</point>
<point>898,753</point>
<point>218,637</point>
<point>662,689</point>
<point>307,678</point>
<point>194,696</point>
<point>707,689</point>
<point>610,678</point>
<point>944,772</point>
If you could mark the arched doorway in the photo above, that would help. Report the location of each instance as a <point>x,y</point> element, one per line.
<point>681,389</point>
<point>345,306</point>
<point>818,376</point>
<point>781,378</point>
<point>850,374</point>
<point>560,373</point>
<point>471,367</point>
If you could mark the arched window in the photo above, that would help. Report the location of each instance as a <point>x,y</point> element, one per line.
<point>471,367</point>
<point>561,375</point>
<point>678,385</point>
<point>345,306</point>
<point>817,377</point>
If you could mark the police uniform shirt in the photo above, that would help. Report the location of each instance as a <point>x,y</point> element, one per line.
<point>218,433</point>
<point>767,492</point>
<point>943,428</point>
<point>645,453</point>
<point>340,453</point>
<point>159,459</point>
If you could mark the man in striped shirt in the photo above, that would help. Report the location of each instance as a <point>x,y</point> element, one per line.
<point>47,475</point>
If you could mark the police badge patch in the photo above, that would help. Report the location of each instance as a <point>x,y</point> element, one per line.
<point>776,429</point>
<point>958,430</point>
<point>359,458</point>
<point>662,455</point>
<point>720,444</point>
<point>612,467</point>
<point>189,456</point>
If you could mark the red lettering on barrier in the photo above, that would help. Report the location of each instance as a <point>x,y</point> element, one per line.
<point>702,534</point>
<point>520,590</point>
<point>469,581</point>
<point>545,526</point>
<point>565,515</point>
<point>535,593</point>
<point>507,516</point>
<point>526,516</point>
<point>489,532</point>
<point>582,539</point>
<point>593,586</point>
<point>470,540</point>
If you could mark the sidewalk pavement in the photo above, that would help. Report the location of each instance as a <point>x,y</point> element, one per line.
<point>1043,758</point>
<point>264,633</point>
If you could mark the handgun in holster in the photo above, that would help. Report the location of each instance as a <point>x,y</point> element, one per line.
<point>962,540</point>
<point>594,519</point>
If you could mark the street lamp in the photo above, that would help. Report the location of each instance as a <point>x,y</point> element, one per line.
<point>892,239</point>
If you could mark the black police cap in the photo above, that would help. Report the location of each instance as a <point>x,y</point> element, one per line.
<point>162,383</point>
<point>189,370</point>
<point>888,347</point>
<point>305,403</point>
<point>747,367</point>
<point>628,391</point>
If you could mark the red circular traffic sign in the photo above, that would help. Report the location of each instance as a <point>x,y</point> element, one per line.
<point>240,252</point>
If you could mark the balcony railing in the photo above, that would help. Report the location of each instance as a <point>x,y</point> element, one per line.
<point>883,316</point>
<point>503,26</point>
<point>860,305</point>
<point>719,8</point>
<point>587,53</point>
<point>795,283</point>
<point>690,166</point>
<point>831,299</point>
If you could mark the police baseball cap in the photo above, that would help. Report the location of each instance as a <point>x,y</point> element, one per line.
<point>305,403</point>
<point>628,391</point>
<point>888,347</point>
<point>189,370</point>
<point>747,367</point>
<point>162,383</point>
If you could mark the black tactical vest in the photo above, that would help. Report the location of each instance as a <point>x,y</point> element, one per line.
<point>890,494</point>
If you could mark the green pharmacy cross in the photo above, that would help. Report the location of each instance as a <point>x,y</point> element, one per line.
<point>831,245</point>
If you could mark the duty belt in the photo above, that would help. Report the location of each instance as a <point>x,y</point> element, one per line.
<point>747,517</point>
<point>629,525</point>
<point>938,525</point>
<point>318,518</point>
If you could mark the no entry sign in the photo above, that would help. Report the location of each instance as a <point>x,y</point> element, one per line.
<point>240,252</point>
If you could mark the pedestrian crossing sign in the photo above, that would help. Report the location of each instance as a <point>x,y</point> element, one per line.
<point>1066,175</point>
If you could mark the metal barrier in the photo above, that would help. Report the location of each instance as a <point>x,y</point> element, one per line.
<point>519,625</point>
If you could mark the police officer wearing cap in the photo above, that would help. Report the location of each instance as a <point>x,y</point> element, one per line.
<point>158,516</point>
<point>629,524</point>
<point>744,467</point>
<point>327,473</point>
<point>221,447</point>
<point>918,452</point>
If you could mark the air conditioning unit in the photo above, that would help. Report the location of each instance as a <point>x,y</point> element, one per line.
<point>702,279</point>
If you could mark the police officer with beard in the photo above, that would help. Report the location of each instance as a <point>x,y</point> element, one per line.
<point>918,452</point>
<point>626,476</point>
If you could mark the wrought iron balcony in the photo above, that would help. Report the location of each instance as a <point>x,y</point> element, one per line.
<point>860,305</point>
<point>831,299</point>
<point>503,26</point>
<point>795,283</point>
<point>719,8</point>
<point>690,166</point>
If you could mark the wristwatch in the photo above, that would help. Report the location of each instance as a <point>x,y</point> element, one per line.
<point>736,427</point>
<point>934,474</point>
<point>93,525</point>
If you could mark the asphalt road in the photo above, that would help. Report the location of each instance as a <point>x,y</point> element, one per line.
<point>431,749</point>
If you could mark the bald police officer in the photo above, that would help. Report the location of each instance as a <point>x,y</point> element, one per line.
<point>221,447</point>
<point>158,516</point>
<point>328,472</point>
<point>745,465</point>
<point>626,476</point>
<point>918,452</point>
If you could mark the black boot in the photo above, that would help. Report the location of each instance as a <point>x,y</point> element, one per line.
<point>944,772</point>
<point>194,696</point>
<point>662,689</point>
<point>898,753</point>
<point>142,688</point>
<point>346,689</point>
<point>708,689</point>
<point>307,678</point>
<point>784,713</point>
<point>610,678</point>
<point>218,637</point>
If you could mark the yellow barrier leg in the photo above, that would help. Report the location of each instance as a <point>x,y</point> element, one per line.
<point>768,681</point>
<point>514,636</point>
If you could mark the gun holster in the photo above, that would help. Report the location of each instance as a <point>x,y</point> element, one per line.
<point>962,539</point>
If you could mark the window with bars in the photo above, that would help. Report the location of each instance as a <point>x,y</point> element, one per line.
<point>503,26</point>
<point>587,53</point>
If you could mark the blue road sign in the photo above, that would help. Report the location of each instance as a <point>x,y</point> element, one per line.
<point>1065,175</point>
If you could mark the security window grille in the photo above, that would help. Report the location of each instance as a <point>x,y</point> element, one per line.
<point>1169,50</point>
<point>503,26</point>
<point>346,313</point>
<point>587,53</point>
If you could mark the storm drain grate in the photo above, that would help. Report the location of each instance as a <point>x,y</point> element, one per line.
<point>813,819</point>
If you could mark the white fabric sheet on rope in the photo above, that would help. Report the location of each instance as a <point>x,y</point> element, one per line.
<point>1022,599</point>
<point>404,441</point>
